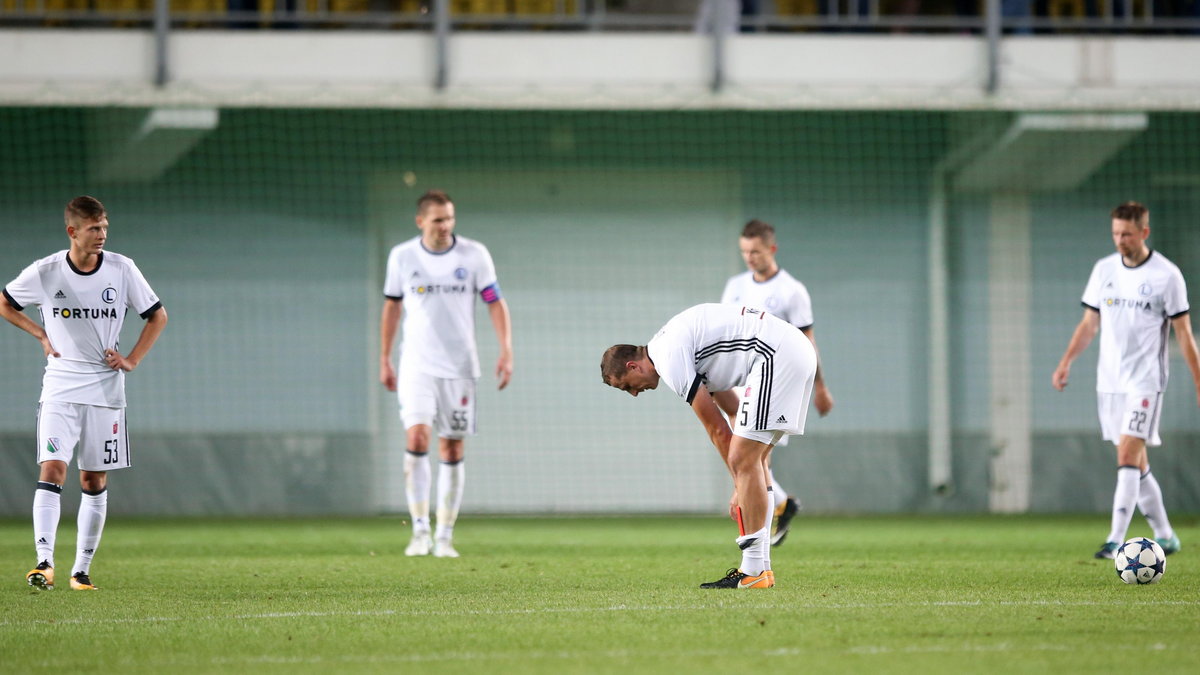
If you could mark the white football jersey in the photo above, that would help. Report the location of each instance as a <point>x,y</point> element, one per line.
<point>438,291</point>
<point>1136,305</point>
<point>82,313</point>
<point>781,295</point>
<point>715,344</point>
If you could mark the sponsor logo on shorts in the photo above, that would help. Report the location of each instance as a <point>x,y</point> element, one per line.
<point>781,420</point>
<point>52,445</point>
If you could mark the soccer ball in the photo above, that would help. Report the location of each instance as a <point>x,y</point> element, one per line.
<point>1140,561</point>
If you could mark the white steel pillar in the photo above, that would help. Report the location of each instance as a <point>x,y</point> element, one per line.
<point>1009,298</point>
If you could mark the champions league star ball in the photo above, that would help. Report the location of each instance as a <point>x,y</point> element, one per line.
<point>1140,561</point>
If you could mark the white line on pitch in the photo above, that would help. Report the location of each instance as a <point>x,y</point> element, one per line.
<point>614,608</point>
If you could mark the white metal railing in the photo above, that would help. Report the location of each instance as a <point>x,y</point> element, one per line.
<point>718,19</point>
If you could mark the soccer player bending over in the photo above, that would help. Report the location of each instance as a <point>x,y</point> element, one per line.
<point>770,364</point>
<point>83,293</point>
<point>1132,299</point>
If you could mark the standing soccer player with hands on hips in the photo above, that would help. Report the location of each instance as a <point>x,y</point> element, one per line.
<point>435,276</point>
<point>771,365</point>
<point>1133,298</point>
<point>83,293</point>
<point>765,284</point>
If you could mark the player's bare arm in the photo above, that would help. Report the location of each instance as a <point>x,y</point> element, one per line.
<point>388,321</point>
<point>18,319</point>
<point>502,323</point>
<point>1088,326</point>
<point>155,323</point>
<point>1187,345</point>
<point>716,424</point>
<point>727,401</point>
<point>822,399</point>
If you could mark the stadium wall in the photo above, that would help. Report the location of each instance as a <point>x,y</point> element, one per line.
<point>264,229</point>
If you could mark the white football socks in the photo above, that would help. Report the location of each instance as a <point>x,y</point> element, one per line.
<point>451,476</point>
<point>93,509</point>
<point>781,495</point>
<point>1150,501</point>
<point>47,499</point>
<point>752,552</point>
<point>1125,498</point>
<point>765,544</point>
<point>756,545</point>
<point>416,489</point>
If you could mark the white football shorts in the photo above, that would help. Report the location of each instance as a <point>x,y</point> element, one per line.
<point>448,405</point>
<point>1130,415</point>
<point>776,394</point>
<point>99,434</point>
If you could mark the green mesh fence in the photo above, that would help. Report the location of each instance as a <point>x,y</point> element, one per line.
<point>265,233</point>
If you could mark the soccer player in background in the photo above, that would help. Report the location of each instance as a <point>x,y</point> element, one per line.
<point>83,294</point>
<point>764,284</point>
<point>435,276</point>
<point>771,365</point>
<point>1132,298</point>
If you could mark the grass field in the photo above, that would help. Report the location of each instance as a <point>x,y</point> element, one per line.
<point>564,595</point>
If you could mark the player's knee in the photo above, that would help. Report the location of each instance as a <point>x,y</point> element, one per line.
<point>450,449</point>
<point>743,458</point>
<point>53,471</point>
<point>418,439</point>
<point>93,482</point>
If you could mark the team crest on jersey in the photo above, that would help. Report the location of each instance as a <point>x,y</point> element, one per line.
<point>52,445</point>
<point>460,273</point>
<point>109,295</point>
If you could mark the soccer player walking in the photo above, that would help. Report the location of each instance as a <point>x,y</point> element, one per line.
<point>435,276</point>
<point>83,293</point>
<point>765,284</point>
<point>771,365</point>
<point>1133,298</point>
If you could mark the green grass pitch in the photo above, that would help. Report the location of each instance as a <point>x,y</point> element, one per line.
<point>891,594</point>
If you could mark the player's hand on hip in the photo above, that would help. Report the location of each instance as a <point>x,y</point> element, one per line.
<point>47,348</point>
<point>1059,379</point>
<point>387,376</point>
<point>117,362</point>
<point>504,369</point>
<point>823,400</point>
